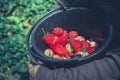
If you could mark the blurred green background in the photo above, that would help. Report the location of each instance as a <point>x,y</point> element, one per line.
<point>16,18</point>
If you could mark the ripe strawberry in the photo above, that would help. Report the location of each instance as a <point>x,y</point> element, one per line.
<point>48,52</point>
<point>91,49</point>
<point>80,38</point>
<point>86,45</point>
<point>62,40</point>
<point>73,34</point>
<point>50,38</point>
<point>76,45</point>
<point>55,46</point>
<point>65,33</point>
<point>62,51</point>
<point>58,31</point>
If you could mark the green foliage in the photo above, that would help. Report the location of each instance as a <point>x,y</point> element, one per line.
<point>16,18</point>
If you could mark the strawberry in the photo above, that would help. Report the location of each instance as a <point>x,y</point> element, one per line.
<point>79,52</point>
<point>80,38</point>
<point>62,40</point>
<point>93,44</point>
<point>91,49</point>
<point>55,46</point>
<point>56,56</point>
<point>65,33</point>
<point>86,44</point>
<point>84,54</point>
<point>50,38</point>
<point>62,51</point>
<point>67,56</point>
<point>71,53</point>
<point>76,45</point>
<point>48,52</point>
<point>58,31</point>
<point>73,34</point>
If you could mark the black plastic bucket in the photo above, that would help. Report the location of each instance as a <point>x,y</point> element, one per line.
<point>90,23</point>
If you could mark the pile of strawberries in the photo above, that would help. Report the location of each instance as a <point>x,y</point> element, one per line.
<point>64,44</point>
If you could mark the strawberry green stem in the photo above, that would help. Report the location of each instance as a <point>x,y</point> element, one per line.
<point>44,33</point>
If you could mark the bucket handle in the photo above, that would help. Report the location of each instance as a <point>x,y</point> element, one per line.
<point>31,52</point>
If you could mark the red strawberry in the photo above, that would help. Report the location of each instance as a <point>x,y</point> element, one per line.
<point>55,46</point>
<point>50,38</point>
<point>58,31</point>
<point>65,33</point>
<point>86,44</point>
<point>76,45</point>
<point>62,51</point>
<point>73,34</point>
<point>62,40</point>
<point>80,38</point>
<point>91,49</point>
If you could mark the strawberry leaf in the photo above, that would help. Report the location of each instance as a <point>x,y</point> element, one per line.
<point>69,48</point>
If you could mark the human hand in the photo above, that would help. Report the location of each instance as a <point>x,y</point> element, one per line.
<point>33,70</point>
